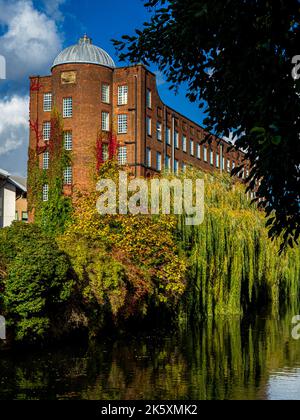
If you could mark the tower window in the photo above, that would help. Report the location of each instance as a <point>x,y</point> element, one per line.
<point>122,124</point>
<point>123,95</point>
<point>46,130</point>
<point>67,107</point>
<point>45,192</point>
<point>47,102</point>
<point>68,139</point>
<point>105,93</point>
<point>105,121</point>
<point>68,176</point>
<point>46,160</point>
<point>122,156</point>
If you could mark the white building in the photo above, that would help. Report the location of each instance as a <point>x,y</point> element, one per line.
<point>11,190</point>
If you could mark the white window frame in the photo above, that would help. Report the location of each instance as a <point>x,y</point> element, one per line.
<point>68,140</point>
<point>159,131</point>
<point>46,159</point>
<point>198,151</point>
<point>122,95</point>
<point>122,123</point>
<point>205,155</point>
<point>176,139</point>
<point>158,161</point>
<point>68,176</point>
<point>192,147</point>
<point>105,93</point>
<point>211,157</point>
<point>148,157</point>
<point>228,165</point>
<point>168,136</point>
<point>45,192</point>
<point>149,98</point>
<point>184,144</point>
<point>68,107</point>
<point>46,130</point>
<point>218,160</point>
<point>105,121</point>
<point>122,155</point>
<point>149,126</point>
<point>48,102</point>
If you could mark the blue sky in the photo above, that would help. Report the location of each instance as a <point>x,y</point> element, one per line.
<point>33,32</point>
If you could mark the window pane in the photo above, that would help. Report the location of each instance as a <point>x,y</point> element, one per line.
<point>122,124</point>
<point>158,161</point>
<point>198,151</point>
<point>176,140</point>
<point>68,139</point>
<point>149,98</point>
<point>205,154</point>
<point>149,126</point>
<point>68,176</point>
<point>192,148</point>
<point>122,95</point>
<point>45,192</point>
<point>149,158</point>
<point>159,131</point>
<point>184,143</point>
<point>48,102</point>
<point>122,155</point>
<point>105,121</point>
<point>46,160</point>
<point>67,107</point>
<point>105,152</point>
<point>106,94</point>
<point>168,135</point>
<point>46,131</point>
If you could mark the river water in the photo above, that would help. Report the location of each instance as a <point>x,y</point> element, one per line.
<point>224,359</point>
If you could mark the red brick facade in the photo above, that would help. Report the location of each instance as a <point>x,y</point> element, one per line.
<point>83,83</point>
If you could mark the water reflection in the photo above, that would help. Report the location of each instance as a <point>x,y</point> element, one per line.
<point>227,359</point>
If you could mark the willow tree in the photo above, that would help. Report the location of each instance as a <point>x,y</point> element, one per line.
<point>236,57</point>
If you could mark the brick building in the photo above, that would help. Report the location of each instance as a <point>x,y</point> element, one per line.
<point>93,96</point>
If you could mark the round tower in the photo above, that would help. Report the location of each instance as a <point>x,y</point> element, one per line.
<point>82,88</point>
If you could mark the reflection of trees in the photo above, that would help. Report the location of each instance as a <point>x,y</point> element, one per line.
<point>226,359</point>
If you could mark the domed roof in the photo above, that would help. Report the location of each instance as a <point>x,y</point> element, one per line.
<point>84,52</point>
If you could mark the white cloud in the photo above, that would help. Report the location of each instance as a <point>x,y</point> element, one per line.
<point>14,118</point>
<point>52,8</point>
<point>31,40</point>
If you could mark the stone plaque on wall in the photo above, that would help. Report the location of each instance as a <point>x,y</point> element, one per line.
<point>68,77</point>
